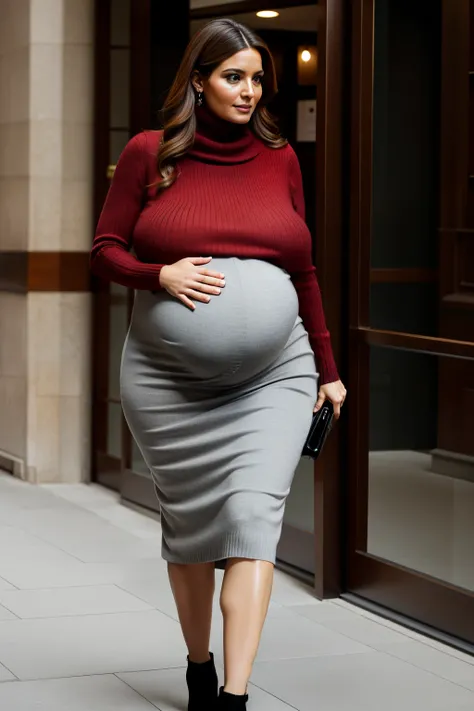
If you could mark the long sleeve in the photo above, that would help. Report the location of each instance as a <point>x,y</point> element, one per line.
<point>110,255</point>
<point>309,294</point>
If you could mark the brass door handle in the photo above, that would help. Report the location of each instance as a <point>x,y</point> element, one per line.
<point>110,171</point>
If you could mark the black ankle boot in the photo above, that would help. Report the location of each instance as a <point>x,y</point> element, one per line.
<point>202,685</point>
<point>231,702</point>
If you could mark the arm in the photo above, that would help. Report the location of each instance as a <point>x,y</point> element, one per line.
<point>309,294</point>
<point>110,255</point>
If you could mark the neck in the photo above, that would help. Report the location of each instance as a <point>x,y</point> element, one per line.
<point>220,141</point>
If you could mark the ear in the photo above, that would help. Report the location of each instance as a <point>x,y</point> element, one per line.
<point>197,81</point>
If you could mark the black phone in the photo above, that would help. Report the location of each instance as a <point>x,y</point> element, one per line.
<point>320,427</point>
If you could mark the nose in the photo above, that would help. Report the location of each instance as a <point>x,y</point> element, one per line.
<point>248,89</point>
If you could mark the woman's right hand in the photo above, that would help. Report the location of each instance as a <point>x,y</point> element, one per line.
<point>187,279</point>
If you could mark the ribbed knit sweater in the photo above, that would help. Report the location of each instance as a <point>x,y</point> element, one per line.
<point>233,197</point>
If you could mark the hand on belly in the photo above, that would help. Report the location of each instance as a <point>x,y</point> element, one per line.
<point>188,279</point>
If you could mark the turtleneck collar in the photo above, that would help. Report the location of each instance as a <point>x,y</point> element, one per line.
<point>222,142</point>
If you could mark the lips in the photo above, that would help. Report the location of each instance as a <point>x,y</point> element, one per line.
<point>243,107</point>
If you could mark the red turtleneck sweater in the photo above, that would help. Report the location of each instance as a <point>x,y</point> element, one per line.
<point>234,197</point>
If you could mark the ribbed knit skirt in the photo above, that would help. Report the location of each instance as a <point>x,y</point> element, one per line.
<point>219,401</point>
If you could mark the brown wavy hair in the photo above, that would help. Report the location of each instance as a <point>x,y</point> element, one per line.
<point>216,42</point>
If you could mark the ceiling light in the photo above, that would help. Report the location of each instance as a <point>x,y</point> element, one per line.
<point>305,55</point>
<point>268,14</point>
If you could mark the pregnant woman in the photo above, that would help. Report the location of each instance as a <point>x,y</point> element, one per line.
<point>219,368</point>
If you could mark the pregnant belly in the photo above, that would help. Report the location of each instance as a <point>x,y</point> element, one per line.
<point>243,329</point>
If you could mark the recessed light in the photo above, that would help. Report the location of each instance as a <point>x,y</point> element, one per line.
<point>305,55</point>
<point>268,14</point>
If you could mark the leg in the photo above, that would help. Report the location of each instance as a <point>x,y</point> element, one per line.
<point>193,590</point>
<point>245,597</point>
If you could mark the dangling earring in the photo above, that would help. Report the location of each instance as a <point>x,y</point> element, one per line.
<point>199,101</point>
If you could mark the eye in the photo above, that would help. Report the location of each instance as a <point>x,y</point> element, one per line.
<point>233,78</point>
<point>258,79</point>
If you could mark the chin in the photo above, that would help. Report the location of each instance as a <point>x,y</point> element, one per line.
<point>240,118</point>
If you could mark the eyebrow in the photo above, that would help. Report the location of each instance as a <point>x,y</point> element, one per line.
<point>241,71</point>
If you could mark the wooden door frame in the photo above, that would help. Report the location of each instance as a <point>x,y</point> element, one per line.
<point>386,584</point>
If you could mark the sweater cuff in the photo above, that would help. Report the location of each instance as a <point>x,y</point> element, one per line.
<point>325,363</point>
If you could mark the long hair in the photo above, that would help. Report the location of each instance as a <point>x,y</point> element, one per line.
<point>216,42</point>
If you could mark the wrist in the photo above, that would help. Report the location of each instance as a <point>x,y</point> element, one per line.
<point>162,276</point>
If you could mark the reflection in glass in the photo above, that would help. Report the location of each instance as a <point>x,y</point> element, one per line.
<point>421,472</point>
<point>405,166</point>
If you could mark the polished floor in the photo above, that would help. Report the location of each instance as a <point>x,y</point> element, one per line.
<point>87,623</point>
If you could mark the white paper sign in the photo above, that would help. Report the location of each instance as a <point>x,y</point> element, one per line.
<point>306,121</point>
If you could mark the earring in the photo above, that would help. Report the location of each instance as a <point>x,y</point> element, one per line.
<point>199,100</point>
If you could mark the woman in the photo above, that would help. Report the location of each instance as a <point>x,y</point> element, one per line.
<point>218,374</point>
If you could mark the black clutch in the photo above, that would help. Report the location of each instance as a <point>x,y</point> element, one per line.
<point>319,430</point>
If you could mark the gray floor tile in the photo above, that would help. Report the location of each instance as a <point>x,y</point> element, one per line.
<point>167,690</point>
<point>6,614</point>
<point>293,637</point>
<point>360,682</point>
<point>85,536</point>
<point>58,602</point>
<point>156,593</point>
<point>289,591</point>
<point>365,631</point>
<point>4,585</point>
<point>93,693</point>
<point>34,574</point>
<point>324,612</point>
<point>435,661</point>
<point>94,644</point>
<point>5,675</point>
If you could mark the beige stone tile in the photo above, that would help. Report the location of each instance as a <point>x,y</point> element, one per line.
<point>44,353</point>
<point>78,98</point>
<point>47,438</point>
<point>14,85</point>
<point>46,82</point>
<point>46,21</point>
<point>15,24</point>
<point>13,335</point>
<point>77,151</point>
<point>13,415</point>
<point>78,21</point>
<point>14,197</point>
<point>76,216</point>
<point>45,207</point>
<point>74,440</point>
<point>75,344</point>
<point>14,145</point>
<point>45,149</point>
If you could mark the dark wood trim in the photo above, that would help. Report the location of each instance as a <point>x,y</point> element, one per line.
<point>425,599</point>
<point>22,272</point>
<point>403,276</point>
<point>140,67</point>
<point>296,548</point>
<point>329,251</point>
<point>100,315</point>
<point>139,489</point>
<point>414,342</point>
<point>238,8</point>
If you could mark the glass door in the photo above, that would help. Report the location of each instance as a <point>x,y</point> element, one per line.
<point>411,383</point>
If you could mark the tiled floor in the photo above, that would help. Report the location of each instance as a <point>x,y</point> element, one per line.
<point>87,623</point>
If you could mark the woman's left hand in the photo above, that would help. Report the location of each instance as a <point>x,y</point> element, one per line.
<point>335,393</point>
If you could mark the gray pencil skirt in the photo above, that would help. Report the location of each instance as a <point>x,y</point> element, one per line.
<point>219,401</point>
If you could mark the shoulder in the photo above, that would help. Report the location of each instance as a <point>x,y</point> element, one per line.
<point>142,145</point>
<point>284,155</point>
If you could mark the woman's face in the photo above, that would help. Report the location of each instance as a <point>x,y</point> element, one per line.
<point>234,88</point>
